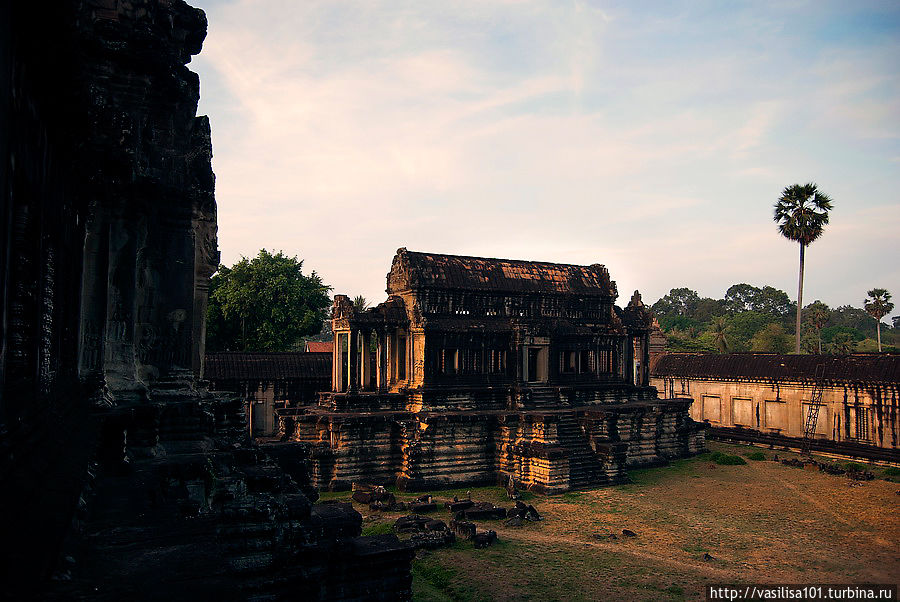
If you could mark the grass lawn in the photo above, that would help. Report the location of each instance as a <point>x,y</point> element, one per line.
<point>760,521</point>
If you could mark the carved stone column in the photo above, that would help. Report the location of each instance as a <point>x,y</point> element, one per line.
<point>206,248</point>
<point>628,364</point>
<point>389,358</point>
<point>206,262</point>
<point>94,284</point>
<point>645,359</point>
<point>336,358</point>
<point>353,361</point>
<point>118,348</point>
<point>364,375</point>
<point>167,290</point>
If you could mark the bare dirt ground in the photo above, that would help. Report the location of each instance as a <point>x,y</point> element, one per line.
<point>762,522</point>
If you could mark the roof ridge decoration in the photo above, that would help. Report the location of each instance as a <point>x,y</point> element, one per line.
<point>637,315</point>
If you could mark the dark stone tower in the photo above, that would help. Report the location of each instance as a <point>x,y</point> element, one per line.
<point>111,450</point>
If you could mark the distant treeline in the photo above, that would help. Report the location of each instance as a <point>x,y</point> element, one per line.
<point>749,318</point>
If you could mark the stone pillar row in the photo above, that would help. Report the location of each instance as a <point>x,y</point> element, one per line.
<point>357,367</point>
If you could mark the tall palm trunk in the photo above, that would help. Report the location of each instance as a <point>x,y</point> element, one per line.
<point>878,330</point>
<point>799,300</point>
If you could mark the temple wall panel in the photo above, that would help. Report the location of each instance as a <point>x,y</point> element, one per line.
<point>866,414</point>
<point>440,451</point>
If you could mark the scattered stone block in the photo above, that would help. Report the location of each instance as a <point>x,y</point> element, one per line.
<point>463,529</point>
<point>431,540</point>
<point>484,539</point>
<point>456,506</point>
<point>362,497</point>
<point>525,512</point>
<point>412,523</point>
<point>482,511</point>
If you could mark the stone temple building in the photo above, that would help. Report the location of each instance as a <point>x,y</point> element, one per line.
<point>480,370</point>
<point>122,477</point>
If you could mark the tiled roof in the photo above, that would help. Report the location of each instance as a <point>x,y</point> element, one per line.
<point>320,346</point>
<point>875,368</point>
<point>267,366</point>
<point>461,272</point>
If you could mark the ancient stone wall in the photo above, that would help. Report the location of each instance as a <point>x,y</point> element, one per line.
<point>867,414</point>
<point>45,437</point>
<point>549,449</point>
<point>121,476</point>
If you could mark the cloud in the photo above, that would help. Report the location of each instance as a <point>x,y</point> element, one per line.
<point>652,141</point>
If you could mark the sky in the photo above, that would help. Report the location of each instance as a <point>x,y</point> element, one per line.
<point>652,137</point>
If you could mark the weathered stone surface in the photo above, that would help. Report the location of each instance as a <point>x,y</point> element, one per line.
<point>112,452</point>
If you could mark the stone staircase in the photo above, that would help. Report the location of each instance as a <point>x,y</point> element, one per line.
<point>543,397</point>
<point>585,466</point>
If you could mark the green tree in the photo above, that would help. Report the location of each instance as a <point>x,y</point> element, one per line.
<point>817,315</point>
<point>842,343</point>
<point>853,318</point>
<point>741,297</point>
<point>743,327</point>
<point>802,213</point>
<point>679,302</point>
<point>771,339</point>
<point>766,300</point>
<point>878,305</point>
<point>810,343</point>
<point>708,309</point>
<point>264,304</point>
<point>774,302</point>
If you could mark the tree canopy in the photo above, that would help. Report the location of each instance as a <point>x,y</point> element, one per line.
<point>802,213</point>
<point>767,300</point>
<point>759,318</point>
<point>679,302</point>
<point>264,304</point>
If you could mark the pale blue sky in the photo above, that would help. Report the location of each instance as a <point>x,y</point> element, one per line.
<point>653,137</point>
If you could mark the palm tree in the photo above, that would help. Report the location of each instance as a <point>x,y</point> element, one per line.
<point>718,332</point>
<point>801,213</point>
<point>878,304</point>
<point>360,303</point>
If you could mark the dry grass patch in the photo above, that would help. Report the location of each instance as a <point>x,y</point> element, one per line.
<point>761,522</point>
